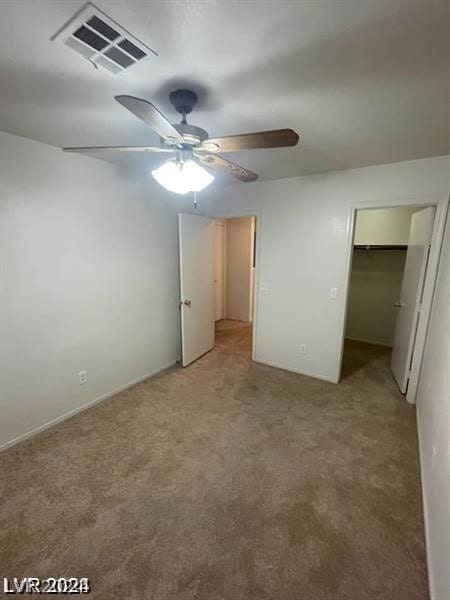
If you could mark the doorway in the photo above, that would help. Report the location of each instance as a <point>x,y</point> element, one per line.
<point>217,277</point>
<point>234,279</point>
<point>389,262</point>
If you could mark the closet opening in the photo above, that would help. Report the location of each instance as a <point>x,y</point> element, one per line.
<point>388,271</point>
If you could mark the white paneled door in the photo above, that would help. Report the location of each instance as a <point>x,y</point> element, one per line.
<point>409,303</point>
<point>196,239</point>
<point>219,269</point>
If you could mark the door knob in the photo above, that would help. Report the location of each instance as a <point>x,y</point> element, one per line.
<point>399,304</point>
<point>187,303</point>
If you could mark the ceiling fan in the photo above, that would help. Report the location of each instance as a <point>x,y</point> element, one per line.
<point>191,147</point>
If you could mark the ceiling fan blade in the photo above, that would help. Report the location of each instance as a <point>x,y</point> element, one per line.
<point>152,117</point>
<point>144,149</point>
<point>219,163</point>
<point>278,138</point>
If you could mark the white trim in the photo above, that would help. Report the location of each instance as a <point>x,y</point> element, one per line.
<point>180,279</point>
<point>348,266</point>
<point>223,224</point>
<point>437,240</point>
<point>251,282</point>
<point>293,370</point>
<point>257,250</point>
<point>441,205</point>
<point>84,407</point>
<point>428,544</point>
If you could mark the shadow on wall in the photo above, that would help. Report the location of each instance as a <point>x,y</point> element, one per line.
<point>355,360</point>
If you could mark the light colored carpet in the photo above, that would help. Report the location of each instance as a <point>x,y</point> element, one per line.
<point>227,480</point>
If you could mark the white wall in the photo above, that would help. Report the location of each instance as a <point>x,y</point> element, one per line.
<point>383,226</point>
<point>375,285</point>
<point>433,412</point>
<point>303,232</point>
<point>239,256</point>
<point>89,280</point>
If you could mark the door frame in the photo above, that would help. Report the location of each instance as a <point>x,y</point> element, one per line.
<point>441,208</point>
<point>224,252</point>
<point>258,218</point>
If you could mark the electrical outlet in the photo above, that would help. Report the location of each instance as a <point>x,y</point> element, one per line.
<point>333,293</point>
<point>264,286</point>
<point>82,377</point>
<point>302,348</point>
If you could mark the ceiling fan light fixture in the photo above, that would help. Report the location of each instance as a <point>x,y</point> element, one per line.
<point>198,178</point>
<point>191,144</point>
<point>182,177</point>
<point>170,177</point>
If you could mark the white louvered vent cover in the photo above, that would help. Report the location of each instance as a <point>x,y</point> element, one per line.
<point>102,41</point>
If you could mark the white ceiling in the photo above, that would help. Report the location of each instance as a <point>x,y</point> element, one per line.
<point>362,81</point>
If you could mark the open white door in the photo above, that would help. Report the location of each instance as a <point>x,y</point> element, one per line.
<point>411,295</point>
<point>196,286</point>
<point>219,270</point>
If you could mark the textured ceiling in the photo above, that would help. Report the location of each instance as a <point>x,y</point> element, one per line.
<point>361,81</point>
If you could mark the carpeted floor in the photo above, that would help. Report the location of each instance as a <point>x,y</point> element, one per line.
<point>227,480</point>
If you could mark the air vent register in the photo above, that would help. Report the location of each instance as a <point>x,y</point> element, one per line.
<point>102,41</point>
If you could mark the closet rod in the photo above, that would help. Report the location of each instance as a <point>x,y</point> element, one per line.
<point>379,247</point>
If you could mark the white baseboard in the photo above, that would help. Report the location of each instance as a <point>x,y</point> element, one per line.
<point>83,407</point>
<point>237,319</point>
<point>292,370</point>
<point>355,339</point>
<point>425,509</point>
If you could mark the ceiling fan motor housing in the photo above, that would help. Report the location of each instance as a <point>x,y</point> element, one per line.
<point>183,101</point>
<point>192,135</point>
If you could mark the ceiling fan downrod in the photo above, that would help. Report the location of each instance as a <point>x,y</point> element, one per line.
<point>183,102</point>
